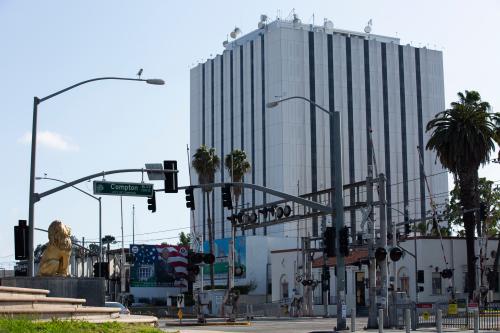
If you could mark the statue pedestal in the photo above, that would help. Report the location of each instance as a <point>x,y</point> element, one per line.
<point>92,289</point>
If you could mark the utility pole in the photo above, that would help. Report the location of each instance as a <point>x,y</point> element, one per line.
<point>325,283</point>
<point>122,261</point>
<point>383,244</point>
<point>133,224</point>
<point>372,311</point>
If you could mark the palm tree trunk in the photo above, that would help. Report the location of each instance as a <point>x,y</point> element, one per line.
<point>467,197</point>
<point>210,241</point>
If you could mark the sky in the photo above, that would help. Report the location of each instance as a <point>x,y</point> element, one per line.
<point>106,125</point>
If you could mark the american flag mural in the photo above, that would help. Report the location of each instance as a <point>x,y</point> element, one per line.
<point>159,265</point>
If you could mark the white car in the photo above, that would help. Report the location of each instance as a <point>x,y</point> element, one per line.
<point>123,308</point>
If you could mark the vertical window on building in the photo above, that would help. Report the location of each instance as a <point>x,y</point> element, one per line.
<point>420,276</point>
<point>405,284</point>
<point>436,283</point>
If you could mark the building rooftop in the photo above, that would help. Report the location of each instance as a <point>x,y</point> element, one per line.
<point>327,27</point>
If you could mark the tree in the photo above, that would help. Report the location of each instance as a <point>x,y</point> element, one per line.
<point>206,163</point>
<point>237,165</point>
<point>488,194</point>
<point>462,138</point>
<point>184,239</point>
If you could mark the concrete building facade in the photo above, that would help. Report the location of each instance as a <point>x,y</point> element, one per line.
<point>385,92</point>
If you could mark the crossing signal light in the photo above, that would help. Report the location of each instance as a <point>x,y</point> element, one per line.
<point>239,270</point>
<point>395,254</point>
<point>344,241</point>
<point>21,235</point>
<point>447,273</point>
<point>171,184</point>
<point>329,241</point>
<point>152,203</point>
<point>226,197</point>
<point>189,198</point>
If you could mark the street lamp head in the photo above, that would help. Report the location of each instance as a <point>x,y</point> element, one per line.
<point>158,82</point>
<point>272,104</point>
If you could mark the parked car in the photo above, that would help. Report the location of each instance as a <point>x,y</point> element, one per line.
<point>123,308</point>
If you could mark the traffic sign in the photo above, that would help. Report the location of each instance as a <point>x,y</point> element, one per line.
<point>123,189</point>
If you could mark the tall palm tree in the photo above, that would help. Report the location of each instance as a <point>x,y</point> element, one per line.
<point>462,137</point>
<point>206,163</point>
<point>237,165</point>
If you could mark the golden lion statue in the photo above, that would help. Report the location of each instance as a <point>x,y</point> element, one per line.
<point>55,258</point>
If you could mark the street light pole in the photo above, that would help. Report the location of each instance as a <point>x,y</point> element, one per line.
<point>338,210</point>
<point>32,196</point>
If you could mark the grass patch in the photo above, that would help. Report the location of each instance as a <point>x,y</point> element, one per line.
<point>17,325</point>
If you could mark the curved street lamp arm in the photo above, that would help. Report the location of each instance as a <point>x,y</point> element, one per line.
<point>39,100</point>
<point>76,188</point>
<point>307,100</point>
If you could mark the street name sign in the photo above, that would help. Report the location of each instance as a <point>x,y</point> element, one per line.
<point>123,189</point>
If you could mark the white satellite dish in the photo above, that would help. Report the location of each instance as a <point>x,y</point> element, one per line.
<point>368,27</point>
<point>328,24</point>
<point>263,17</point>
<point>235,32</point>
<point>224,43</point>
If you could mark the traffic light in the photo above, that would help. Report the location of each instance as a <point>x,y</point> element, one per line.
<point>189,198</point>
<point>329,241</point>
<point>171,184</point>
<point>104,269</point>
<point>21,236</point>
<point>344,241</point>
<point>152,203</point>
<point>482,211</point>
<point>226,197</point>
<point>395,254</point>
<point>380,254</point>
<point>407,228</point>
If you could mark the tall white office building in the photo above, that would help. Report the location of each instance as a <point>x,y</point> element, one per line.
<point>373,81</point>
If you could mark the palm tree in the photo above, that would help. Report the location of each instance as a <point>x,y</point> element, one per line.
<point>206,163</point>
<point>462,137</point>
<point>237,165</point>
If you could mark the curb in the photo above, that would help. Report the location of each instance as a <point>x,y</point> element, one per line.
<point>222,323</point>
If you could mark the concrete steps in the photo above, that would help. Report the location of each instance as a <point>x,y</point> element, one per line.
<point>36,303</point>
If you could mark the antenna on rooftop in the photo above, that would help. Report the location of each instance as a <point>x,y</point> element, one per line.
<point>368,27</point>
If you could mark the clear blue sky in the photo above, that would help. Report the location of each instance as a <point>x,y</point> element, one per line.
<point>48,45</point>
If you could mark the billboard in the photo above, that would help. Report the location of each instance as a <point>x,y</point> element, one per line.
<point>158,265</point>
<point>221,252</point>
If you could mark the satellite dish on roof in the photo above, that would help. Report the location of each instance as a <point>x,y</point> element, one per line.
<point>235,32</point>
<point>296,19</point>
<point>263,17</point>
<point>261,25</point>
<point>368,27</point>
<point>224,43</point>
<point>328,24</point>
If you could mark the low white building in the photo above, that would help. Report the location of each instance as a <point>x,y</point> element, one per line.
<point>432,256</point>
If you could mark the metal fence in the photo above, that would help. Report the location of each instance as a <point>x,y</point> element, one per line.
<point>489,317</point>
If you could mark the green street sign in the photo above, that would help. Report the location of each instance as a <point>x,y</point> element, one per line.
<point>123,189</point>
